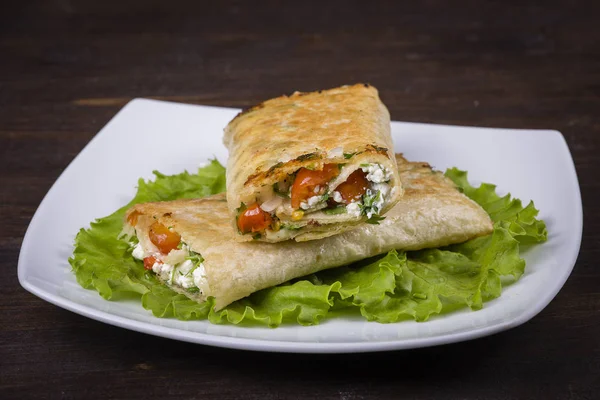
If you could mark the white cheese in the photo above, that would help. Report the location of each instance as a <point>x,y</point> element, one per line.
<point>138,252</point>
<point>376,173</point>
<point>311,202</point>
<point>175,269</point>
<point>384,188</point>
<point>337,197</point>
<point>164,271</point>
<point>354,209</point>
<point>182,275</point>
<point>199,276</point>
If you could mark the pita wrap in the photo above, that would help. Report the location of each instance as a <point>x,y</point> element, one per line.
<point>432,213</point>
<point>297,162</point>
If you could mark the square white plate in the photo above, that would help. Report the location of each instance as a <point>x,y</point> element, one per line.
<point>149,135</point>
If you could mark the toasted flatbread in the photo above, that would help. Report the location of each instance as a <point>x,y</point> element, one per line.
<point>348,127</point>
<point>432,213</point>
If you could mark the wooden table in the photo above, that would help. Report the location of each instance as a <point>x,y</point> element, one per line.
<point>67,67</point>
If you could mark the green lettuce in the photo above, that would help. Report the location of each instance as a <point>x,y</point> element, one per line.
<point>389,288</point>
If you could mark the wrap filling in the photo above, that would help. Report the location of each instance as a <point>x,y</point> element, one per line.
<point>311,193</point>
<point>166,254</point>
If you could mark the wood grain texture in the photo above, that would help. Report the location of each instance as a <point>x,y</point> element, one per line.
<point>68,66</point>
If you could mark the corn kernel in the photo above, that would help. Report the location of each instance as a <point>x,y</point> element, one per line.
<point>297,215</point>
<point>275,226</point>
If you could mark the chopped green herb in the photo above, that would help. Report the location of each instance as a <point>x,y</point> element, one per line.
<point>195,258</point>
<point>132,243</point>
<point>369,203</point>
<point>256,236</point>
<point>348,156</point>
<point>335,211</point>
<point>375,219</point>
<point>193,290</point>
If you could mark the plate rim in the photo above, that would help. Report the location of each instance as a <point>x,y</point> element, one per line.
<point>284,346</point>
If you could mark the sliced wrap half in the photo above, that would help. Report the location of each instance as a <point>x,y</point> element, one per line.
<point>201,258</point>
<point>310,165</point>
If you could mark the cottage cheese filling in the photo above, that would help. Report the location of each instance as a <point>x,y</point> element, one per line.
<point>181,267</point>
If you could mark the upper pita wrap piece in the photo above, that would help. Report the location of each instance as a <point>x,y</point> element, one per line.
<point>310,165</point>
<point>210,262</point>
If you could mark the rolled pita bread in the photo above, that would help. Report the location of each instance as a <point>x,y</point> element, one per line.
<point>432,213</point>
<point>310,165</point>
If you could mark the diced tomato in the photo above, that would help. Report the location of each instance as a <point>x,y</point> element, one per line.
<point>163,238</point>
<point>149,262</point>
<point>306,181</point>
<point>354,187</point>
<point>253,219</point>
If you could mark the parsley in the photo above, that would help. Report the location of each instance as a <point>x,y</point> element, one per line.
<point>256,236</point>
<point>132,243</point>
<point>335,211</point>
<point>348,156</point>
<point>375,219</point>
<point>195,258</point>
<point>193,290</point>
<point>369,204</point>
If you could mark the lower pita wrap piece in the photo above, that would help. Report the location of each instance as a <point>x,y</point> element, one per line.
<point>191,246</point>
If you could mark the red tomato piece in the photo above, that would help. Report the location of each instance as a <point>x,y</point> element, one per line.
<point>306,181</point>
<point>149,262</point>
<point>354,187</point>
<point>163,238</point>
<point>253,219</point>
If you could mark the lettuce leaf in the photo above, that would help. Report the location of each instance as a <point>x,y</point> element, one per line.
<point>104,263</point>
<point>389,288</point>
<point>506,211</point>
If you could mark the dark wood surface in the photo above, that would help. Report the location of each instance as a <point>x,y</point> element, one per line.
<point>66,67</point>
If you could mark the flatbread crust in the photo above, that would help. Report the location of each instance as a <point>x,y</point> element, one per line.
<point>276,138</point>
<point>432,213</point>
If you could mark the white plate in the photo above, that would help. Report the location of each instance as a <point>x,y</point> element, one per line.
<point>149,135</point>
